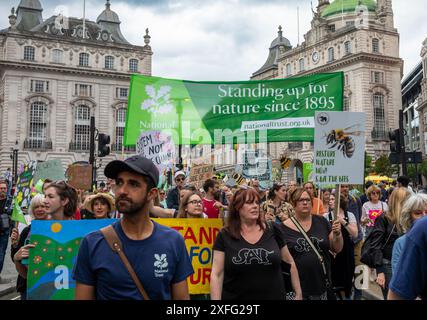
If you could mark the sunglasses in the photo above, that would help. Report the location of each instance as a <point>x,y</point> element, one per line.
<point>179,179</point>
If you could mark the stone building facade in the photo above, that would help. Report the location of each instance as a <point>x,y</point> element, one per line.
<point>360,39</point>
<point>422,101</point>
<point>57,73</point>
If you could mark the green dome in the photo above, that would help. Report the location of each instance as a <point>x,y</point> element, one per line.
<point>338,6</point>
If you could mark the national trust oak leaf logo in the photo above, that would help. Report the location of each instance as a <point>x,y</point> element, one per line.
<point>158,101</point>
<point>161,261</point>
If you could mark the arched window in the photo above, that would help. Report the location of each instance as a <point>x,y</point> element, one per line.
<point>375,45</point>
<point>301,65</point>
<point>331,54</point>
<point>29,53</point>
<point>109,62</point>
<point>38,125</point>
<point>57,56</point>
<point>133,65</point>
<point>81,128</point>
<point>379,116</point>
<point>288,69</point>
<point>348,47</point>
<point>84,59</point>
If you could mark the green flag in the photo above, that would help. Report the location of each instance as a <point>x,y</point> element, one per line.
<point>17,214</point>
<point>39,186</point>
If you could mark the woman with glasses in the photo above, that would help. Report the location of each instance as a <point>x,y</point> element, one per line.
<point>314,282</point>
<point>414,208</point>
<point>247,255</point>
<point>191,206</point>
<point>372,209</point>
<point>276,208</point>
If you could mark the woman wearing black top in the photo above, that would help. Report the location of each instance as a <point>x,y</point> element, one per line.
<point>248,253</point>
<point>324,238</point>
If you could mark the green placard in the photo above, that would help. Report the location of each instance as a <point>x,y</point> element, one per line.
<point>308,172</point>
<point>231,112</point>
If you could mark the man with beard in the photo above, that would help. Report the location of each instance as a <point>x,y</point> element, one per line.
<point>210,201</point>
<point>157,253</point>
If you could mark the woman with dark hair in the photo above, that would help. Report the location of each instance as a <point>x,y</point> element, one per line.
<point>314,275</point>
<point>101,205</point>
<point>247,255</point>
<point>276,208</point>
<point>61,200</point>
<point>316,203</point>
<point>343,264</point>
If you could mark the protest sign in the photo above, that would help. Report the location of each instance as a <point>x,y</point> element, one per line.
<point>339,147</point>
<point>57,244</point>
<point>80,176</point>
<point>51,169</point>
<point>200,173</point>
<point>158,147</point>
<point>25,183</point>
<point>257,166</point>
<point>230,112</point>
<point>307,172</point>
<point>276,170</point>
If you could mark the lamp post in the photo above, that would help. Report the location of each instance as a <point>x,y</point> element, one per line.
<point>14,157</point>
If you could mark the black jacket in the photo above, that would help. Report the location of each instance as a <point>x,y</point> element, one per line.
<point>381,248</point>
<point>172,199</point>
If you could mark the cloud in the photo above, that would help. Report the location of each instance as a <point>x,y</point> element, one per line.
<point>222,39</point>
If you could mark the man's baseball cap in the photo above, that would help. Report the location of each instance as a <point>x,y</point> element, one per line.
<point>136,164</point>
<point>179,173</point>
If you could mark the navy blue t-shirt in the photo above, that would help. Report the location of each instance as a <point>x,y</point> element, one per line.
<point>411,280</point>
<point>159,261</point>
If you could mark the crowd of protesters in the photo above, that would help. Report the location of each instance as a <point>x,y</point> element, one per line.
<point>294,225</point>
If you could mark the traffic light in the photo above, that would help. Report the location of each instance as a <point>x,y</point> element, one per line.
<point>103,142</point>
<point>395,141</point>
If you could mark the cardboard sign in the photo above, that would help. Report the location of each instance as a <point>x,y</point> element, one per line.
<point>80,176</point>
<point>51,169</point>
<point>200,173</point>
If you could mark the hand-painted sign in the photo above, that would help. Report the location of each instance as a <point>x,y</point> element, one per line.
<point>51,169</point>
<point>339,147</point>
<point>25,183</point>
<point>80,176</point>
<point>57,244</point>
<point>158,147</point>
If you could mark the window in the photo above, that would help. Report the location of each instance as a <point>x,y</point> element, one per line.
<point>38,125</point>
<point>29,53</point>
<point>301,65</point>
<point>375,45</point>
<point>377,77</point>
<point>109,62</point>
<point>83,90</point>
<point>120,127</point>
<point>84,60</point>
<point>331,28</point>
<point>81,128</point>
<point>379,117</point>
<point>121,93</point>
<point>133,65</point>
<point>57,56</point>
<point>349,24</point>
<point>347,47</point>
<point>346,80</point>
<point>288,69</point>
<point>331,54</point>
<point>39,86</point>
<point>346,104</point>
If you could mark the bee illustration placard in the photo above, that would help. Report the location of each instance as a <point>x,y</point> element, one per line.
<point>339,147</point>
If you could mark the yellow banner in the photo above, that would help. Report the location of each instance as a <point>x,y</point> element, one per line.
<point>199,236</point>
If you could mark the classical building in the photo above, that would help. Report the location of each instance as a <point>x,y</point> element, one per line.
<point>55,74</point>
<point>411,91</point>
<point>360,39</point>
<point>422,101</point>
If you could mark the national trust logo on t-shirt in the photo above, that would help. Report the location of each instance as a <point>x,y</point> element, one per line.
<point>160,265</point>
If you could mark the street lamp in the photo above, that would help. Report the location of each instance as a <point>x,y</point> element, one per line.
<point>14,157</point>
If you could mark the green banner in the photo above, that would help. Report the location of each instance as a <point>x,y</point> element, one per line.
<point>231,112</point>
<point>308,172</point>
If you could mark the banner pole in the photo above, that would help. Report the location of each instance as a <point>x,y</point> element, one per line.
<point>337,201</point>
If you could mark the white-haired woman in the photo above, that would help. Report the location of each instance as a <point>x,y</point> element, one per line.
<point>413,209</point>
<point>21,252</point>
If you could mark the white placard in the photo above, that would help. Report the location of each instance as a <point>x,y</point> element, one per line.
<point>158,147</point>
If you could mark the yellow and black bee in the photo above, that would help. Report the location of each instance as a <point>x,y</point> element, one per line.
<point>342,139</point>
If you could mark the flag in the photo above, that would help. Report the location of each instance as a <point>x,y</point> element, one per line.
<point>17,214</point>
<point>39,186</point>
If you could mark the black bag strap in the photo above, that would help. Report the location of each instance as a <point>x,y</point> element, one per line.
<point>115,244</point>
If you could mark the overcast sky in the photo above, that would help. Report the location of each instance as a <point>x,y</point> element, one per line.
<point>221,39</point>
